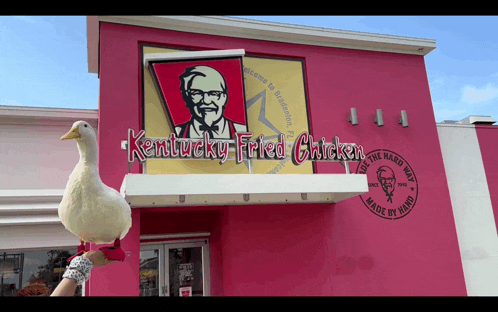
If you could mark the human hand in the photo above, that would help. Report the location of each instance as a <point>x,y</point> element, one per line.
<point>97,257</point>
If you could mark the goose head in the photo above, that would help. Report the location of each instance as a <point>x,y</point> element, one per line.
<point>85,136</point>
<point>80,131</point>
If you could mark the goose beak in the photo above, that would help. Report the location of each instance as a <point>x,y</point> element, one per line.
<point>74,133</point>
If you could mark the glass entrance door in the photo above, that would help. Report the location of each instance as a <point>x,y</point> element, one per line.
<point>179,269</point>
<point>151,270</point>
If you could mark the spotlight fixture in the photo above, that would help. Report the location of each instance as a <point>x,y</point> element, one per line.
<point>404,119</point>
<point>379,120</point>
<point>353,119</point>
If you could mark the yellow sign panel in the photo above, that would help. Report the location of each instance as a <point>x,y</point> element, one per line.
<point>275,103</point>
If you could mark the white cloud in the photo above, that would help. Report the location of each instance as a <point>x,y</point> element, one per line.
<point>445,114</point>
<point>471,95</point>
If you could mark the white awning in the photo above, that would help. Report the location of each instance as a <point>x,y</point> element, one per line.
<point>168,190</point>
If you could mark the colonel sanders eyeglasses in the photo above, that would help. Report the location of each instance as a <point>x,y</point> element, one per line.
<point>198,95</point>
<point>385,181</point>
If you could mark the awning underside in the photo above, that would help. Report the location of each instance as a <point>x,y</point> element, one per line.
<point>168,190</point>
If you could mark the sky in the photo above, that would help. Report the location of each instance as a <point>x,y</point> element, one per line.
<point>43,59</point>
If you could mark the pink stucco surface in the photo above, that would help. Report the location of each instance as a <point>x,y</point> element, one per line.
<point>299,250</point>
<point>49,169</point>
<point>489,151</point>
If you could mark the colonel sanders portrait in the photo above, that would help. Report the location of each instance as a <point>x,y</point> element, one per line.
<point>204,91</point>
<point>387,180</point>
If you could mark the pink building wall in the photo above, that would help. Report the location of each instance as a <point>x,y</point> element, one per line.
<point>489,150</point>
<point>295,250</point>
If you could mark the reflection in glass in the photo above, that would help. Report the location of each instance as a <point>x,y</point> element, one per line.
<point>149,273</point>
<point>33,273</point>
<point>185,270</point>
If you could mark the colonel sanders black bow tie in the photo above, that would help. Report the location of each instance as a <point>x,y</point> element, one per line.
<point>208,128</point>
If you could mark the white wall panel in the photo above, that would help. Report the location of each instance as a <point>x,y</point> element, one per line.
<point>474,219</point>
<point>39,236</point>
<point>34,168</point>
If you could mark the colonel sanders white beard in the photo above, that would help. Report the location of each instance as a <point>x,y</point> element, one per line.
<point>212,112</point>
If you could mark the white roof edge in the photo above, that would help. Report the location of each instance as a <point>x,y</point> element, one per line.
<point>29,206</point>
<point>270,31</point>
<point>456,125</point>
<point>470,121</point>
<point>52,113</point>
<point>189,55</point>
<point>473,119</point>
<point>27,193</point>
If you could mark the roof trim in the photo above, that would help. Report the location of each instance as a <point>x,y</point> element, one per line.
<point>159,57</point>
<point>470,120</point>
<point>251,29</point>
<point>46,116</point>
<point>29,206</point>
<point>47,112</point>
<point>478,120</point>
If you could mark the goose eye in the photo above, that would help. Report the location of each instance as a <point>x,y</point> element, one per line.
<point>86,126</point>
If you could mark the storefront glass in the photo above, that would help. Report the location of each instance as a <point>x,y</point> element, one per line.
<point>185,272</point>
<point>33,273</point>
<point>149,273</point>
<point>179,269</point>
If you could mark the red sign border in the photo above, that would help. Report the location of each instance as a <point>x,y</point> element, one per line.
<point>161,96</point>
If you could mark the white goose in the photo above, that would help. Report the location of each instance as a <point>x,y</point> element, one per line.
<point>90,209</point>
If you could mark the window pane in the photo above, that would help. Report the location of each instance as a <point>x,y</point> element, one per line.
<point>33,273</point>
<point>149,273</point>
<point>185,270</point>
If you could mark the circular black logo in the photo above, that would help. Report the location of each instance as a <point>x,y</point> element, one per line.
<point>392,185</point>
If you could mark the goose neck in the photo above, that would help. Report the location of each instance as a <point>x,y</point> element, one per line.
<point>88,151</point>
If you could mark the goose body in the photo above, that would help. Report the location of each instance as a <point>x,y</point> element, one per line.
<point>90,209</point>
